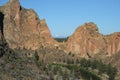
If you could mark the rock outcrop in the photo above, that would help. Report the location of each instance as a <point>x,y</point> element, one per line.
<point>23,28</point>
<point>113,43</point>
<point>87,42</point>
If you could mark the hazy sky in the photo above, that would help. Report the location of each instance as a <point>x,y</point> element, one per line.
<point>64,16</point>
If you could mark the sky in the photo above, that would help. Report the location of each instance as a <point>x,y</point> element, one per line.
<point>64,16</point>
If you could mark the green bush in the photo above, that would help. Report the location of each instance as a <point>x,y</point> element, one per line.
<point>89,75</point>
<point>103,68</point>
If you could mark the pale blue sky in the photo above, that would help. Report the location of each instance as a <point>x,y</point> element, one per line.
<point>64,16</point>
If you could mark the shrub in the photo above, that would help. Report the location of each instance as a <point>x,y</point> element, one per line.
<point>36,56</point>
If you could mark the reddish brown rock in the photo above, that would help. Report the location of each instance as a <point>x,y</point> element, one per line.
<point>86,41</point>
<point>44,31</point>
<point>113,43</point>
<point>23,28</point>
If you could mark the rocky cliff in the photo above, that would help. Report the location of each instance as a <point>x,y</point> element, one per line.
<point>34,50</point>
<point>86,41</point>
<point>22,27</point>
<point>113,43</point>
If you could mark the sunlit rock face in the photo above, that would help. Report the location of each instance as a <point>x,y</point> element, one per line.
<point>86,41</point>
<point>113,43</point>
<point>22,27</point>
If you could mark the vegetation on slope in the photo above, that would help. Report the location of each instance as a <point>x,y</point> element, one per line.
<point>76,69</point>
<point>50,64</point>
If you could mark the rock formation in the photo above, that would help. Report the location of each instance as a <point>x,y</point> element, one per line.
<point>87,41</point>
<point>113,43</point>
<point>23,28</point>
<point>35,48</point>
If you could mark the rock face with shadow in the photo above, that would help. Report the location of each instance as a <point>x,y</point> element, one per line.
<point>22,27</point>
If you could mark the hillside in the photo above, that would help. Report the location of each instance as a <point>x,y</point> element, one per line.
<point>28,51</point>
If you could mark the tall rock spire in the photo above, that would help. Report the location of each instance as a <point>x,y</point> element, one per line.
<point>23,28</point>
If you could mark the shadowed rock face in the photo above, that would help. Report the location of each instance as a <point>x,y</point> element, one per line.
<point>87,41</point>
<point>23,28</point>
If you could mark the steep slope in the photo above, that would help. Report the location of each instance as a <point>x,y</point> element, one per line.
<point>86,41</point>
<point>113,43</point>
<point>23,28</point>
<point>27,35</point>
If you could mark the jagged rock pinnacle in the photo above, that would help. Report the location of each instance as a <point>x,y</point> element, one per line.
<point>22,27</point>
